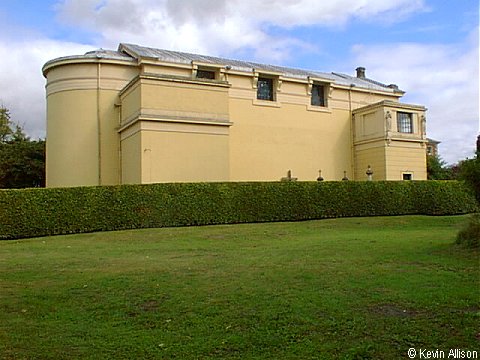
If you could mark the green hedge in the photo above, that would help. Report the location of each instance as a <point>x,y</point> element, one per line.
<point>42,212</point>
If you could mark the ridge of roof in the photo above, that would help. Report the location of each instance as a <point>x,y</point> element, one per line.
<point>187,58</point>
<point>356,81</point>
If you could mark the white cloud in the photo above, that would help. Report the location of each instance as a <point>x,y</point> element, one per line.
<point>444,78</point>
<point>220,27</point>
<point>329,13</point>
<point>22,80</point>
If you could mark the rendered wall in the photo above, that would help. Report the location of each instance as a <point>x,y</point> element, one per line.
<point>372,155</point>
<point>370,125</point>
<point>378,143</point>
<point>72,139</point>
<point>267,142</point>
<point>82,122</point>
<point>407,158</point>
<point>268,138</point>
<point>130,101</point>
<point>184,99</point>
<point>369,131</point>
<point>183,126</point>
<point>109,139</point>
<point>131,158</point>
<point>181,155</point>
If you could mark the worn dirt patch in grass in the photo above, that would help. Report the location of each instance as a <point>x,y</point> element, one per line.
<point>393,310</point>
<point>150,305</point>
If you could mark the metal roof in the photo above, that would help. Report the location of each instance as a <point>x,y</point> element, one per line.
<point>138,52</point>
<point>91,55</point>
<point>131,52</point>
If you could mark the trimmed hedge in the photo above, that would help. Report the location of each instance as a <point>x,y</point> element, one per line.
<point>42,212</point>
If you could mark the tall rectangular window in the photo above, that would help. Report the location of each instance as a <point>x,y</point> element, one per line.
<point>265,89</point>
<point>404,122</point>
<point>318,95</point>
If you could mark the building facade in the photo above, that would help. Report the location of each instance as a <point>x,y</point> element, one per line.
<point>432,147</point>
<point>142,115</point>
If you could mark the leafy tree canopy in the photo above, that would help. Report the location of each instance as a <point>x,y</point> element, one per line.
<point>9,131</point>
<point>437,169</point>
<point>470,172</point>
<point>22,161</point>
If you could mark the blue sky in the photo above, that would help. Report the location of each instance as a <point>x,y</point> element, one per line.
<point>428,47</point>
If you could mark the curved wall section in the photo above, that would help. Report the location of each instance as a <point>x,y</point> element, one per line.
<point>82,120</point>
<point>72,141</point>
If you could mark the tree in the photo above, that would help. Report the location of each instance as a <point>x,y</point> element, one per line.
<point>8,130</point>
<point>437,169</point>
<point>469,171</point>
<point>22,161</point>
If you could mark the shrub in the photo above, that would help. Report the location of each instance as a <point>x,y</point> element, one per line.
<point>470,235</point>
<point>470,173</point>
<point>42,212</point>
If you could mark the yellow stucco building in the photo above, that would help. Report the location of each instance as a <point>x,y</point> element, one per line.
<point>143,115</point>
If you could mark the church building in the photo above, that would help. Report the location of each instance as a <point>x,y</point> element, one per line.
<point>142,115</point>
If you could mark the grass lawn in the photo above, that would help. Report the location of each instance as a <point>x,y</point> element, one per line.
<point>354,288</point>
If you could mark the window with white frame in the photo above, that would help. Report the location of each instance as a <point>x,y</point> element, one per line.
<point>404,122</point>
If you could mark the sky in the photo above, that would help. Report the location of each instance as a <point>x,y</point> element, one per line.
<point>429,48</point>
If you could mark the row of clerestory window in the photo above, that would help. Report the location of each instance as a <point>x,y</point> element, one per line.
<point>265,89</point>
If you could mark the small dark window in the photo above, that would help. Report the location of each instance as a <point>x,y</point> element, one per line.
<point>404,122</point>
<point>206,74</point>
<point>318,95</point>
<point>265,89</point>
<point>407,176</point>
